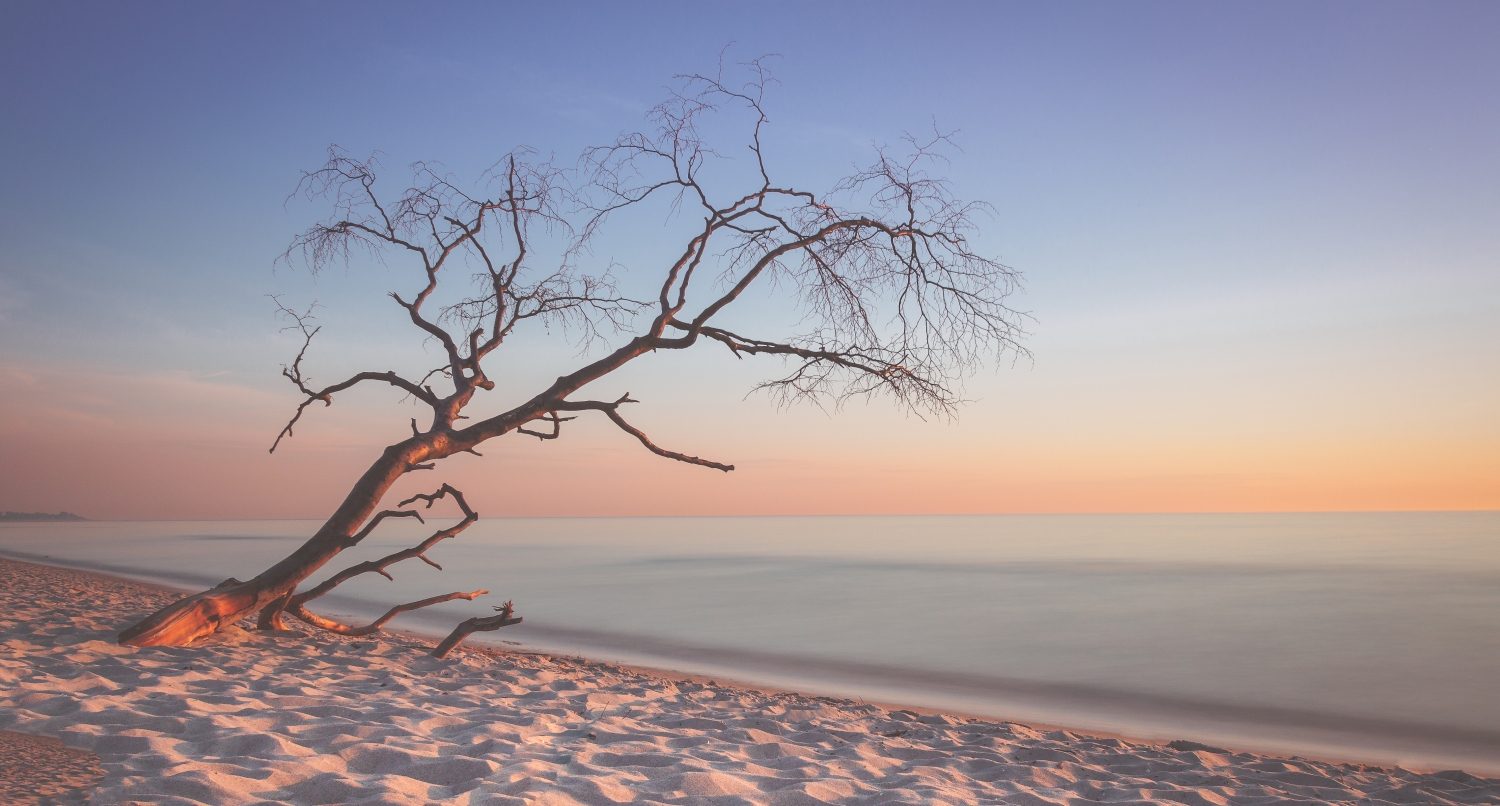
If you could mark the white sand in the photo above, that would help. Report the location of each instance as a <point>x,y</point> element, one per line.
<point>257,719</point>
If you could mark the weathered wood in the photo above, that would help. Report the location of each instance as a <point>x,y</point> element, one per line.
<point>332,625</point>
<point>504,618</point>
<point>202,614</point>
<point>886,245</point>
<point>418,551</point>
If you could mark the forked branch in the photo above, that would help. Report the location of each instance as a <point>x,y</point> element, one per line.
<point>612,411</point>
<point>438,495</point>
<point>504,618</point>
<point>296,605</point>
<point>375,521</point>
<point>550,417</point>
<point>333,625</point>
<point>869,370</point>
<point>302,322</point>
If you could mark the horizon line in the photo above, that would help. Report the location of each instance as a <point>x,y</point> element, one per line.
<point>86,519</point>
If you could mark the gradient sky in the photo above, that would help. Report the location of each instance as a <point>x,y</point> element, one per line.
<point>1261,243</point>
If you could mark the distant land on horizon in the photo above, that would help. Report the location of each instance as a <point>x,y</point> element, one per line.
<point>40,516</point>
<point>21,517</point>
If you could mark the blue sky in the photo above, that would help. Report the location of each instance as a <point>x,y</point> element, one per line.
<point>1260,241</point>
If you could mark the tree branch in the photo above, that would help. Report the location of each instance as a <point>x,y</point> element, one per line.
<point>325,623</point>
<point>611,410</point>
<point>556,431</point>
<point>296,604</point>
<point>441,492</point>
<point>302,322</point>
<point>872,369</point>
<point>380,516</point>
<point>504,618</point>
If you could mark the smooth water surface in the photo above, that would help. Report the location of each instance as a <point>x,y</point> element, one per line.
<point>1372,636</point>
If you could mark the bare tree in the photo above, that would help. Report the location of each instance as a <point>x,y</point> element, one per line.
<point>893,297</point>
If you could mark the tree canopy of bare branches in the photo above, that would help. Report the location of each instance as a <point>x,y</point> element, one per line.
<point>880,268</point>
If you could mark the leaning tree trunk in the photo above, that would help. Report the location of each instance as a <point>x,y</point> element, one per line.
<point>202,614</point>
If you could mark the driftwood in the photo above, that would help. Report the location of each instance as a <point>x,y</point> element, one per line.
<point>323,622</point>
<point>296,605</point>
<point>893,294</point>
<point>502,619</point>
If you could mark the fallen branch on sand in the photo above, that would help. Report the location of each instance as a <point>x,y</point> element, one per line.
<point>504,618</point>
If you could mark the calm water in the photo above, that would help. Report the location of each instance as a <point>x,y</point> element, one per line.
<point>1367,636</point>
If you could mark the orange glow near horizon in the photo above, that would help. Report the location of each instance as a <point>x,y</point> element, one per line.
<point>1248,285</point>
<point>171,447</point>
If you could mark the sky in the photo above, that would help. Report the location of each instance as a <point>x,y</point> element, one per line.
<point>1260,242</point>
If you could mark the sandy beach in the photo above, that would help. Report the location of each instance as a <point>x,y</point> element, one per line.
<point>322,719</point>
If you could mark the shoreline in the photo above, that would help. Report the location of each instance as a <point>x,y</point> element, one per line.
<point>478,644</point>
<point>320,718</point>
<point>1321,736</point>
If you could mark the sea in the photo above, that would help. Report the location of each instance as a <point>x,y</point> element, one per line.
<point>1366,637</point>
